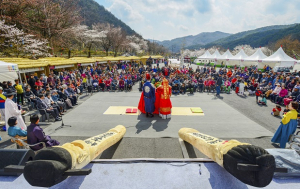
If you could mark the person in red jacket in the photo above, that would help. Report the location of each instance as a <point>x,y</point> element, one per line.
<point>206,85</point>
<point>107,83</point>
<point>233,81</point>
<point>211,84</point>
<point>276,111</point>
<point>258,93</point>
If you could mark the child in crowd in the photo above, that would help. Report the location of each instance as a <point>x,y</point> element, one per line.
<point>182,89</point>
<point>263,101</point>
<point>241,88</point>
<point>13,129</point>
<point>258,93</point>
<point>237,87</point>
<point>276,111</point>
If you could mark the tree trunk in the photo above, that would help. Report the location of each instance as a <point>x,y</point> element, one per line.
<point>69,54</point>
<point>89,53</point>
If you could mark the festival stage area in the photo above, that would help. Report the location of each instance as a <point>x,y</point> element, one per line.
<point>152,175</point>
<point>219,120</point>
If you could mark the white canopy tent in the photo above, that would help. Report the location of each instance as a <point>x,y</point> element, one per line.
<point>279,58</point>
<point>255,59</point>
<point>205,56</point>
<point>227,56</point>
<point>216,56</point>
<point>8,71</point>
<point>239,58</point>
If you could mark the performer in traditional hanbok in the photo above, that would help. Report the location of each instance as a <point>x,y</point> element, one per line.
<point>164,94</point>
<point>288,126</point>
<point>147,100</point>
<point>11,109</point>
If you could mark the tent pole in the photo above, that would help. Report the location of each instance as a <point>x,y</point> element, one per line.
<point>25,77</point>
<point>20,78</point>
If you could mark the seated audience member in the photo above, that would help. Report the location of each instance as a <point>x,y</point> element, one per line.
<point>35,134</point>
<point>263,100</point>
<point>30,95</point>
<point>13,129</point>
<point>241,88</point>
<point>276,111</point>
<point>201,84</point>
<point>42,105</point>
<point>281,95</point>
<point>71,95</point>
<point>63,96</point>
<point>227,86</point>
<point>55,97</point>
<point>121,84</point>
<point>275,92</point>
<point>107,83</point>
<point>175,89</point>
<point>182,89</point>
<point>190,86</point>
<point>206,85</point>
<point>114,84</point>
<point>50,102</point>
<point>237,86</point>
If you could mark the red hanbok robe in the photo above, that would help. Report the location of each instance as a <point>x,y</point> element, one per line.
<point>163,95</point>
<point>141,105</point>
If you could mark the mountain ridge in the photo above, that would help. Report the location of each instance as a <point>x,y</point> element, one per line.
<point>202,38</point>
<point>258,37</point>
<point>93,13</point>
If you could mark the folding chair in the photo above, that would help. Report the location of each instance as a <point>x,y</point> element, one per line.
<point>22,144</point>
<point>45,115</point>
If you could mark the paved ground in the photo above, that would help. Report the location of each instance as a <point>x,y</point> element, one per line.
<point>227,117</point>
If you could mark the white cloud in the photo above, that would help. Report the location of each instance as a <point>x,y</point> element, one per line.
<point>124,11</point>
<point>176,18</point>
<point>183,28</point>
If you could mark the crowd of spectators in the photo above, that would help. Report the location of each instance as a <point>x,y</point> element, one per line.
<point>60,90</point>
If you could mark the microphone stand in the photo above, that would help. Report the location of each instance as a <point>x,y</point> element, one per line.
<point>62,125</point>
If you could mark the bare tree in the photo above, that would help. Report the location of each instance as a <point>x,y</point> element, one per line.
<point>118,37</point>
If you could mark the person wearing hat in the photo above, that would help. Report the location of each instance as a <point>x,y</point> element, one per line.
<point>13,130</point>
<point>2,106</point>
<point>12,109</point>
<point>275,92</point>
<point>147,100</point>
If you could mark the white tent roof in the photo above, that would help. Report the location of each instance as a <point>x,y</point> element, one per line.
<point>258,56</point>
<point>216,55</point>
<point>279,56</point>
<point>240,56</point>
<point>206,55</point>
<point>8,71</point>
<point>226,56</point>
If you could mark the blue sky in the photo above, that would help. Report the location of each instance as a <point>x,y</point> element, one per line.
<point>169,19</point>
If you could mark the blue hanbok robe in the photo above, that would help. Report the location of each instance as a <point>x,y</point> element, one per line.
<point>287,127</point>
<point>149,97</point>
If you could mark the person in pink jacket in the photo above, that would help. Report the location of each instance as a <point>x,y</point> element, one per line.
<point>283,93</point>
<point>227,86</point>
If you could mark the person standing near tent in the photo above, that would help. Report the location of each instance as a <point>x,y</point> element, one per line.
<point>12,109</point>
<point>20,92</point>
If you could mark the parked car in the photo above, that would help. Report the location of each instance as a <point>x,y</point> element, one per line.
<point>279,69</point>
